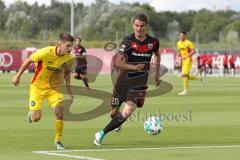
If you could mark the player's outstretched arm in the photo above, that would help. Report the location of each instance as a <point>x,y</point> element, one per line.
<point>16,78</point>
<point>120,62</point>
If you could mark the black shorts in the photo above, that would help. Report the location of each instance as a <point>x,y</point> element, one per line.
<point>200,67</point>
<point>135,96</point>
<point>232,66</point>
<point>81,69</point>
<point>133,90</point>
<point>225,66</point>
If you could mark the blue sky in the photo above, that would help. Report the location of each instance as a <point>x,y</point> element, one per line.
<point>160,5</point>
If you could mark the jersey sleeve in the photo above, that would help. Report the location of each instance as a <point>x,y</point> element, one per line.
<point>84,52</point>
<point>39,55</point>
<point>125,46</point>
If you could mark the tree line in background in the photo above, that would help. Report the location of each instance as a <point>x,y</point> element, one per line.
<point>104,20</point>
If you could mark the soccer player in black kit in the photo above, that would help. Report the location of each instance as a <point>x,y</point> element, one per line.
<point>81,62</point>
<point>133,60</point>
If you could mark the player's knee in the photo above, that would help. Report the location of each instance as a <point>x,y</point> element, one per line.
<point>75,76</point>
<point>59,116</point>
<point>127,111</point>
<point>131,104</point>
<point>36,117</point>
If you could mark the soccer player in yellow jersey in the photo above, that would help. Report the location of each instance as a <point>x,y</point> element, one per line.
<point>53,65</point>
<point>185,51</point>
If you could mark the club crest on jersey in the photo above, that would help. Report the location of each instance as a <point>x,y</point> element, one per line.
<point>32,103</point>
<point>135,46</point>
<point>122,48</point>
<point>150,46</point>
<point>64,65</point>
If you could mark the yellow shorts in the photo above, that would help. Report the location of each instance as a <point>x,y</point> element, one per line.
<point>186,66</point>
<point>37,95</point>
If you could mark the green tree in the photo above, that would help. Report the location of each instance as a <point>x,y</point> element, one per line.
<point>3,15</point>
<point>208,24</point>
<point>51,20</point>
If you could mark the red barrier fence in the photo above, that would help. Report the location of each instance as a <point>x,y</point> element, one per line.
<point>12,59</point>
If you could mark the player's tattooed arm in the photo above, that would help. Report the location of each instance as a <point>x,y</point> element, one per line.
<point>121,63</point>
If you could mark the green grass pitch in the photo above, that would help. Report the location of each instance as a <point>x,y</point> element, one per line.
<point>204,125</point>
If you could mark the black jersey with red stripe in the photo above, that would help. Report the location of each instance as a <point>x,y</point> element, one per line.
<point>130,83</point>
<point>137,51</point>
<point>80,51</point>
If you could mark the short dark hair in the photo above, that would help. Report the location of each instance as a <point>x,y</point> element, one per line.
<point>183,32</point>
<point>66,37</point>
<point>78,38</point>
<point>141,17</point>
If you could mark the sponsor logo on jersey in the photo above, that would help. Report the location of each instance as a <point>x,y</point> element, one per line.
<point>141,54</point>
<point>64,65</point>
<point>54,69</point>
<point>122,48</point>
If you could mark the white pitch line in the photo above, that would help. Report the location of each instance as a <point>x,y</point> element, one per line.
<point>67,155</point>
<point>135,149</point>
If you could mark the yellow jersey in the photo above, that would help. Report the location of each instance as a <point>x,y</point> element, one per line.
<point>50,68</point>
<point>185,47</point>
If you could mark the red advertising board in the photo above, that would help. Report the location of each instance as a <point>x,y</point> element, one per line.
<point>100,60</point>
<point>10,59</point>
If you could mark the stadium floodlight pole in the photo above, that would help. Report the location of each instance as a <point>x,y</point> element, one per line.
<point>72,18</point>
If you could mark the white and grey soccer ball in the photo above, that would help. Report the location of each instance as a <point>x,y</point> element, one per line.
<point>153,125</point>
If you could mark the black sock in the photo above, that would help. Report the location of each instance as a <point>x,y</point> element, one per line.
<point>85,81</point>
<point>117,121</point>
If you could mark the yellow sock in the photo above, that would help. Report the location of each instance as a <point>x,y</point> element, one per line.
<point>192,77</point>
<point>185,83</point>
<point>59,129</point>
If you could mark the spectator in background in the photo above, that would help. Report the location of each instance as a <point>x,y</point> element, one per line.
<point>209,64</point>
<point>201,65</point>
<point>204,61</point>
<point>232,65</point>
<point>225,64</point>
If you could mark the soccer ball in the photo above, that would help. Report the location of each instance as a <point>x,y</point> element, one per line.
<point>153,125</point>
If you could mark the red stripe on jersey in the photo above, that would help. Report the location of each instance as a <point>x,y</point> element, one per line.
<point>38,70</point>
<point>139,48</point>
<point>143,48</point>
